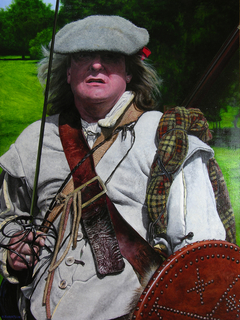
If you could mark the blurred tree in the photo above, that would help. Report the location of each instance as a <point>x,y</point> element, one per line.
<point>21,22</point>
<point>223,93</point>
<point>42,39</point>
<point>6,45</point>
<point>72,10</point>
<point>185,35</point>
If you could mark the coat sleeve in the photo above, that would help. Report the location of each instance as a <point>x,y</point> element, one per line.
<point>192,207</point>
<point>191,210</point>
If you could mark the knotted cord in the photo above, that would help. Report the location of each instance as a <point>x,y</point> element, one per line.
<point>73,200</point>
<point>23,225</point>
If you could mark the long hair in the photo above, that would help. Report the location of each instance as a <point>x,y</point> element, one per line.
<point>145,82</point>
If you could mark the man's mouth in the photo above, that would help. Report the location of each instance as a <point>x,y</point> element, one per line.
<point>95,81</point>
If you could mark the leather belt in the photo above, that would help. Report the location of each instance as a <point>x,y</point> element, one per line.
<point>101,212</point>
<point>95,214</point>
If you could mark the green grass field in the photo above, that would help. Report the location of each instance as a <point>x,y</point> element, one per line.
<point>229,161</point>
<point>21,99</point>
<point>21,102</point>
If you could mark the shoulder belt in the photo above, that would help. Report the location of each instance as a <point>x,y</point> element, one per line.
<point>109,234</point>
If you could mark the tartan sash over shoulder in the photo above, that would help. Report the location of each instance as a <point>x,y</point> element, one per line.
<point>172,135</point>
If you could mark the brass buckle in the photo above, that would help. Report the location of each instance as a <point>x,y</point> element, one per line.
<point>97,195</point>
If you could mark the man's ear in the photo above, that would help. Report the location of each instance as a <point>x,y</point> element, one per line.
<point>128,78</point>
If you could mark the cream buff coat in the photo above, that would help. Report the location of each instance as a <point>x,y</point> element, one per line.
<point>191,208</point>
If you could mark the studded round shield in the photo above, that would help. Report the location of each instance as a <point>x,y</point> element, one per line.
<point>200,281</point>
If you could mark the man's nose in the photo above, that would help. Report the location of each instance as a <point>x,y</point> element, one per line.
<point>97,62</point>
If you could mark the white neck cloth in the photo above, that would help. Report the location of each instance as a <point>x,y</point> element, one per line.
<point>93,130</point>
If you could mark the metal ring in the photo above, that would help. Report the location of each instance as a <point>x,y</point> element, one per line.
<point>27,258</point>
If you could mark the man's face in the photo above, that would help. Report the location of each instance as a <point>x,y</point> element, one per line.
<point>97,79</point>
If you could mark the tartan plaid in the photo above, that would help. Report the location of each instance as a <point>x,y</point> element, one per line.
<point>172,135</point>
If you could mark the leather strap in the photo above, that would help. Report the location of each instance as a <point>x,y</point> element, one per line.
<point>132,246</point>
<point>95,216</point>
<point>131,114</point>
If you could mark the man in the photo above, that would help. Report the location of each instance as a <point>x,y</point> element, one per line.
<point>105,137</point>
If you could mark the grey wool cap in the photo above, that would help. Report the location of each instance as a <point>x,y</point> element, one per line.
<point>101,33</point>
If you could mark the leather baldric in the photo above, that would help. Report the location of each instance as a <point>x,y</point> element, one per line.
<point>110,236</point>
<point>95,216</point>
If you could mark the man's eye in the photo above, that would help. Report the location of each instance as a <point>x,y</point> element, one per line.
<point>82,56</point>
<point>111,57</point>
<point>107,57</point>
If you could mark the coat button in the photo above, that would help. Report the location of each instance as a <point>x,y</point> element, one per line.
<point>69,261</point>
<point>63,284</point>
<point>79,236</point>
